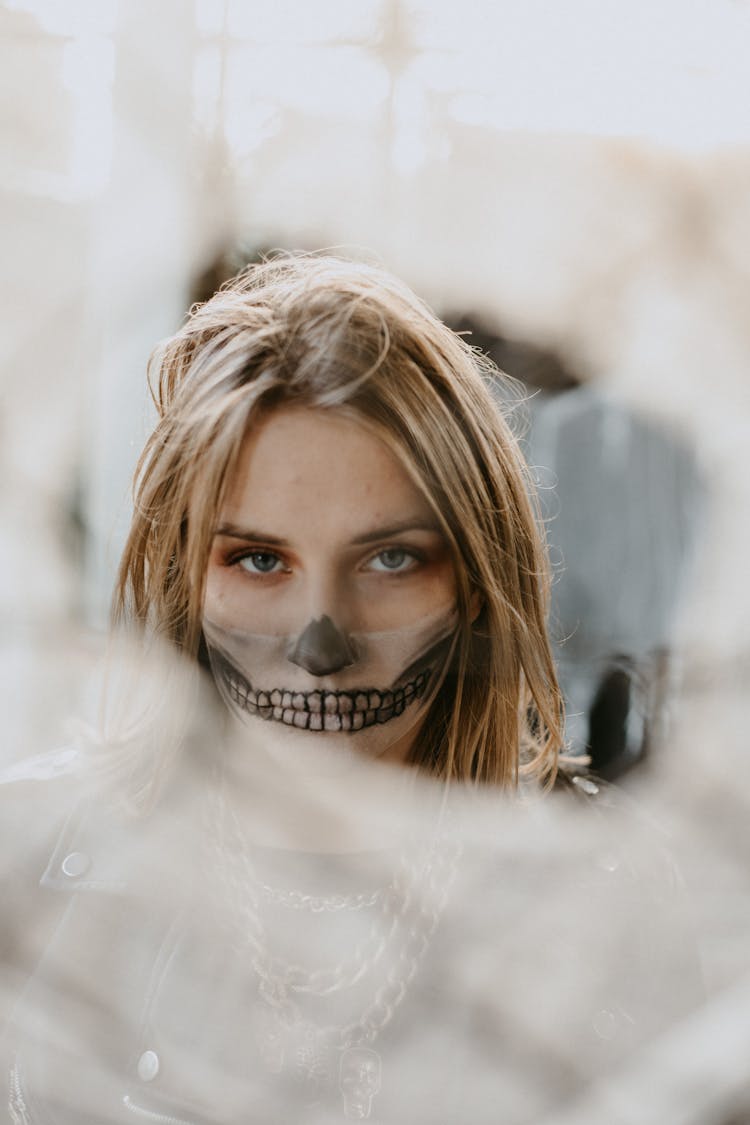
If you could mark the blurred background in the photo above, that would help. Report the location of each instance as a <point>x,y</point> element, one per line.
<point>566,182</point>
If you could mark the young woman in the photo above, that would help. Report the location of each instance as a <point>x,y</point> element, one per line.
<point>333,500</point>
<point>333,521</point>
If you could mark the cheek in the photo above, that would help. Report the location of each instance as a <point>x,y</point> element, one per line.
<point>438,585</point>
<point>383,603</point>
<point>222,602</point>
<point>234,601</point>
<point>214,594</point>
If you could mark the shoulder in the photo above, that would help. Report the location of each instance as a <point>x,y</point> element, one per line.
<point>65,837</point>
<point>626,835</point>
<point>37,797</point>
<point>62,762</point>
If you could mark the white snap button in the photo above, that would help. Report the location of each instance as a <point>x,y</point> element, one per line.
<point>605,1024</point>
<point>586,785</point>
<point>148,1066</point>
<point>75,865</point>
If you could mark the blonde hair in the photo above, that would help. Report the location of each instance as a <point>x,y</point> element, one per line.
<point>335,335</point>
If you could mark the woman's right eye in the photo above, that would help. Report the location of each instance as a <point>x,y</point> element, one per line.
<point>261,562</point>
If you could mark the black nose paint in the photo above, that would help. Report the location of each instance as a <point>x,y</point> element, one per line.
<point>322,648</point>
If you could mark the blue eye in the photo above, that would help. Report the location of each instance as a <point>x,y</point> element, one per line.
<point>393,560</point>
<point>261,562</point>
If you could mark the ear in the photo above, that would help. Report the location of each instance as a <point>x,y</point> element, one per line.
<point>476,604</point>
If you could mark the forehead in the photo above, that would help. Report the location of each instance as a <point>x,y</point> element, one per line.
<point>309,468</point>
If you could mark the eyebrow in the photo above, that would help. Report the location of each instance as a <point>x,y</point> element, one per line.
<point>394,529</point>
<point>234,532</point>
<point>252,536</point>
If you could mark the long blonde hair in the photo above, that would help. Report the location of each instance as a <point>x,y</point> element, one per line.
<point>330,334</point>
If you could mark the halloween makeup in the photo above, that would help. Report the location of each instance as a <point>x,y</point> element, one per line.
<point>330,591</point>
<point>390,679</point>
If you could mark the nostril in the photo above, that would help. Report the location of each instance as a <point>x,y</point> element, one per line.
<point>322,648</point>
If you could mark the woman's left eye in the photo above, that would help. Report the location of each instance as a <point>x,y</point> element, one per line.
<point>394,560</point>
<point>261,562</point>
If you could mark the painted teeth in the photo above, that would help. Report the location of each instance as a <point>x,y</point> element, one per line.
<point>333,703</point>
<point>315,702</point>
<point>325,710</point>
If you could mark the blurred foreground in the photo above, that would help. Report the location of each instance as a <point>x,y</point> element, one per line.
<point>220,931</point>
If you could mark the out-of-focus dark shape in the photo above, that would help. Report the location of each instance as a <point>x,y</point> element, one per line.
<point>621,500</point>
<point>537,367</point>
<point>227,263</point>
<point>628,711</point>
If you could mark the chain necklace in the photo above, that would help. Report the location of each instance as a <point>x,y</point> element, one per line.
<point>316,904</point>
<point>408,911</point>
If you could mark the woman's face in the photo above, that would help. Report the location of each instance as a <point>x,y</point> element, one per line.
<point>330,592</point>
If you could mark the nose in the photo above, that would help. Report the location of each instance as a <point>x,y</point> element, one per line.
<point>322,648</point>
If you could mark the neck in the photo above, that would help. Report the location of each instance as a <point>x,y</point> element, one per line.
<point>345,805</point>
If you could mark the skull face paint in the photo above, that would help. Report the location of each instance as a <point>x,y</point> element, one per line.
<point>330,589</point>
<point>389,681</point>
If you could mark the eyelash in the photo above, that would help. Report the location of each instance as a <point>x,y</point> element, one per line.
<point>238,560</point>
<point>412,556</point>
